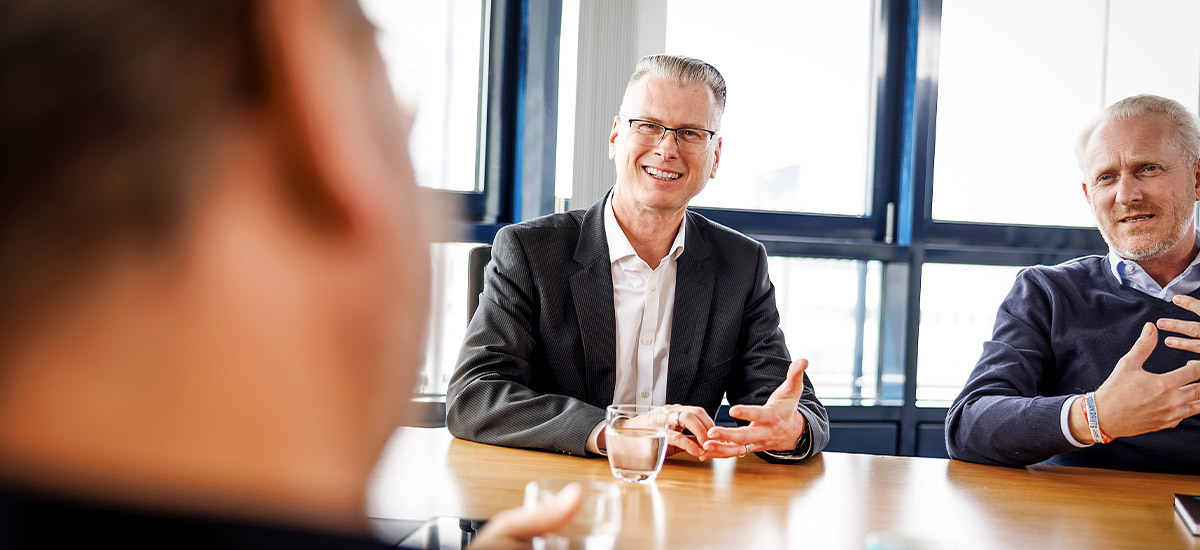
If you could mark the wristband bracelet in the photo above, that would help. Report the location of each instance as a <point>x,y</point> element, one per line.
<point>1093,418</point>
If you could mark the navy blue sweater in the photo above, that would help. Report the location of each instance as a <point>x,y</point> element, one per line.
<point>1059,333</point>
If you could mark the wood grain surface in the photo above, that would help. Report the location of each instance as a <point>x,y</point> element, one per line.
<point>834,500</point>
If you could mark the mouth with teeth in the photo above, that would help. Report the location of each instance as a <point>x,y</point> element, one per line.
<point>662,175</point>
<point>1135,218</point>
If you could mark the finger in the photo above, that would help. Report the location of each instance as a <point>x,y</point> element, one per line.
<point>1141,348</point>
<point>1192,391</point>
<point>1185,344</point>
<point>1187,302</point>
<point>1194,409</point>
<point>697,421</point>
<point>1187,328</point>
<point>740,435</point>
<point>1183,376</point>
<point>685,443</point>
<point>793,385</point>
<point>723,449</point>
<point>753,413</point>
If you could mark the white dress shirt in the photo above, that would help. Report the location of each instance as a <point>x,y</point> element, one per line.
<point>1129,273</point>
<point>644,303</point>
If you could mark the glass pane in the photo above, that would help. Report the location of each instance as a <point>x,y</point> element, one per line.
<point>447,316</point>
<point>568,55</point>
<point>432,51</point>
<point>1153,48</point>
<point>1018,80</point>
<point>958,311</point>
<point>829,311</point>
<point>797,126</point>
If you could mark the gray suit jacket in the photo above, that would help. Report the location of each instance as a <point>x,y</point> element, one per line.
<point>537,367</point>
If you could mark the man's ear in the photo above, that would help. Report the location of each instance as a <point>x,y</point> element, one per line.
<point>612,139</point>
<point>1086,196</point>
<point>1196,175</point>
<point>319,89</point>
<point>716,160</point>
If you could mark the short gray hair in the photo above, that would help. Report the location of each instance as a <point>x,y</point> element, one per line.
<point>683,71</point>
<point>1184,123</point>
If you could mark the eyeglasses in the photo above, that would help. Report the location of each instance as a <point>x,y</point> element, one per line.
<point>691,140</point>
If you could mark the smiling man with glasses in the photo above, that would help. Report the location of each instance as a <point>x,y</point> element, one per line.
<point>637,300</point>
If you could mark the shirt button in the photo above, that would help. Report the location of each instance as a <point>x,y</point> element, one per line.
<point>1128,268</point>
<point>645,394</point>
<point>646,340</point>
<point>653,288</point>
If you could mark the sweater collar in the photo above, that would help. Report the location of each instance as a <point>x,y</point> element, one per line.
<point>1129,273</point>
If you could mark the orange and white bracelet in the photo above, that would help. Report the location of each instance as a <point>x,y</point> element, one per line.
<point>1093,418</point>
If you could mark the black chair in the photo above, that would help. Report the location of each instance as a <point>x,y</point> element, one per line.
<point>477,260</point>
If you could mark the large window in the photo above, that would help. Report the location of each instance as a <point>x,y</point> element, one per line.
<point>797,126</point>
<point>433,52</point>
<point>1018,80</point>
<point>448,315</point>
<point>958,310</point>
<point>829,312</point>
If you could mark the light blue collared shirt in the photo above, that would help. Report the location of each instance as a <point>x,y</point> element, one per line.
<point>1129,273</point>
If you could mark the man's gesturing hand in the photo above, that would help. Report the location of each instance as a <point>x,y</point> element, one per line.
<point>775,426</point>
<point>692,419</point>
<point>1187,328</point>
<point>1132,401</point>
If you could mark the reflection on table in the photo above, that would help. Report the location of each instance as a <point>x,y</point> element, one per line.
<point>834,500</point>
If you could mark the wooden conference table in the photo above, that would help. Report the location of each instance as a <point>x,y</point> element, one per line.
<point>834,500</point>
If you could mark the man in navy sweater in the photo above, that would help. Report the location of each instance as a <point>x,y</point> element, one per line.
<point>1077,372</point>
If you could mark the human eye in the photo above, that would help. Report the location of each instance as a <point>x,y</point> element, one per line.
<point>648,127</point>
<point>1103,179</point>
<point>691,134</point>
<point>1152,169</point>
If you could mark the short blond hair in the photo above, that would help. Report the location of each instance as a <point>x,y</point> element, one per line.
<point>1183,122</point>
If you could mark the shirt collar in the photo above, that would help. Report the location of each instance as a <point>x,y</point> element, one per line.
<point>1129,273</point>
<point>619,247</point>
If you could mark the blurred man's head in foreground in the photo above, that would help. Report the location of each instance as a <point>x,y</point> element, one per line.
<point>213,271</point>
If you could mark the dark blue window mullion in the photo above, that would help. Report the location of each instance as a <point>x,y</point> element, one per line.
<point>538,131</point>
<point>892,190</point>
<point>504,83</point>
<point>916,189</point>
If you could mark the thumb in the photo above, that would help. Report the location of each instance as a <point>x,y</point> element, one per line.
<point>1141,348</point>
<point>792,386</point>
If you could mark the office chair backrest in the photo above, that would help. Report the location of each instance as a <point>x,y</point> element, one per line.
<point>477,260</point>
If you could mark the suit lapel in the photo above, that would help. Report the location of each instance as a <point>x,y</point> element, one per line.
<point>693,297</point>
<point>592,292</point>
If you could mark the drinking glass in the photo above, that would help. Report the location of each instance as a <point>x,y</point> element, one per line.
<point>636,441</point>
<point>593,527</point>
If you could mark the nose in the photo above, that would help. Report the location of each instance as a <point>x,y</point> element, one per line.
<point>668,147</point>
<point>1128,190</point>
